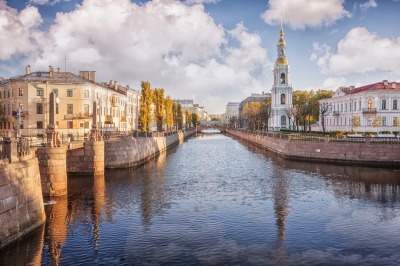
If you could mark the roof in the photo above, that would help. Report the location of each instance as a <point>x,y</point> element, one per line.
<point>384,85</point>
<point>39,76</point>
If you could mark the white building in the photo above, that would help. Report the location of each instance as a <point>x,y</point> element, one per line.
<point>366,104</point>
<point>281,92</point>
<point>232,110</point>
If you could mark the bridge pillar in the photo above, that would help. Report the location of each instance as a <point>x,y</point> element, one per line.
<point>53,170</point>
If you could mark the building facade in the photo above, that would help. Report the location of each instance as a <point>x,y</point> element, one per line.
<point>231,111</point>
<point>25,102</point>
<point>255,97</point>
<point>281,92</point>
<point>371,108</point>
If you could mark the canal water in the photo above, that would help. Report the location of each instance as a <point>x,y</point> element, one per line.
<point>216,201</point>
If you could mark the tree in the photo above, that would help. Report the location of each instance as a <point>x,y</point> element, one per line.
<point>145,107</point>
<point>195,119</point>
<point>377,122</point>
<point>265,113</point>
<point>169,117</point>
<point>324,110</point>
<point>233,121</point>
<point>178,116</point>
<point>159,107</point>
<point>188,118</point>
<point>252,111</point>
<point>396,122</point>
<point>355,121</point>
<point>291,113</point>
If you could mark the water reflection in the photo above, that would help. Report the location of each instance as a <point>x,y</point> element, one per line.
<point>217,201</point>
<point>56,227</point>
<point>27,251</point>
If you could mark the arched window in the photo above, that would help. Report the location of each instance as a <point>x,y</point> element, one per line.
<point>383,107</point>
<point>283,78</point>
<point>283,121</point>
<point>283,98</point>
<point>370,104</point>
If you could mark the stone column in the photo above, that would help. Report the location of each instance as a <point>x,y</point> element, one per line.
<point>53,158</point>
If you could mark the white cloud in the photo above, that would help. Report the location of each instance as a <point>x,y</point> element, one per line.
<point>306,13</point>
<point>360,51</point>
<point>169,43</point>
<point>18,30</point>
<point>369,4</point>
<point>332,83</point>
<point>46,2</point>
<point>191,2</point>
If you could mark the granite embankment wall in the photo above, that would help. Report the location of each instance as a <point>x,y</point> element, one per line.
<point>130,152</point>
<point>387,155</point>
<point>21,201</point>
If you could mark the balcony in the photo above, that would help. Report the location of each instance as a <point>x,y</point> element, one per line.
<point>336,113</point>
<point>369,111</point>
<point>78,116</point>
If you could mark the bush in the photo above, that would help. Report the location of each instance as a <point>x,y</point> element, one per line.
<point>337,133</point>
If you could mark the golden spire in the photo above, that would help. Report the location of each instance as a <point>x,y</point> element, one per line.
<point>281,40</point>
<point>281,60</point>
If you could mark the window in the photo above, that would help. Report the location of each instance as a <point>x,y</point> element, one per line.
<point>69,93</point>
<point>359,105</point>
<point>86,93</point>
<point>39,108</point>
<point>86,110</point>
<point>383,121</point>
<point>70,109</point>
<point>20,92</point>
<point>383,107</point>
<point>394,104</point>
<point>283,121</point>
<point>8,93</point>
<point>341,107</point>
<point>70,124</point>
<point>39,124</point>
<point>350,106</point>
<point>283,98</point>
<point>283,78</point>
<point>39,92</point>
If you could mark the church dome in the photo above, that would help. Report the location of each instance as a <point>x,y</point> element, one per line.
<point>281,61</point>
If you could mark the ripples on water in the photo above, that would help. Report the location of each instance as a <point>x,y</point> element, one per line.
<point>216,201</point>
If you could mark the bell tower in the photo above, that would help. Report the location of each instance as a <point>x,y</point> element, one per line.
<point>281,92</point>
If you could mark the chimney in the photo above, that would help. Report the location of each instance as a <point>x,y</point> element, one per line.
<point>28,70</point>
<point>115,84</point>
<point>394,85</point>
<point>58,70</point>
<point>51,71</point>
<point>385,82</point>
<point>110,83</point>
<point>92,76</point>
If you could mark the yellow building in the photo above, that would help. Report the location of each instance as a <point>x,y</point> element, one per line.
<point>27,96</point>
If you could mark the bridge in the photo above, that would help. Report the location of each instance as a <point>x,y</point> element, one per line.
<point>211,129</point>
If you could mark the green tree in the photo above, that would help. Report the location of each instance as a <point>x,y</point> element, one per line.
<point>159,108</point>
<point>179,115</point>
<point>145,107</point>
<point>265,114</point>
<point>195,119</point>
<point>169,117</point>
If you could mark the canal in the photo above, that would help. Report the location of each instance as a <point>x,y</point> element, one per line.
<point>217,201</point>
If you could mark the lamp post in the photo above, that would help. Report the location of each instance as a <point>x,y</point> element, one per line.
<point>19,120</point>
<point>52,134</point>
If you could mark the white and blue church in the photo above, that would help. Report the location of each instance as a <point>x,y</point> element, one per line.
<point>281,92</point>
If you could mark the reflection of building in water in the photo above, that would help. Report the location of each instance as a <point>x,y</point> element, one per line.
<point>56,228</point>
<point>98,203</point>
<point>30,246</point>
<point>152,189</point>
<point>280,193</point>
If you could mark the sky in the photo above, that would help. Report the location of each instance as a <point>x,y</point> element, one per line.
<point>211,51</point>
